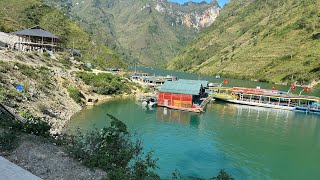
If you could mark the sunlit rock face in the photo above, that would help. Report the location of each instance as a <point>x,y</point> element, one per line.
<point>193,15</point>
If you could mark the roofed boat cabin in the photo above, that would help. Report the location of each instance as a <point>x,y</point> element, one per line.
<point>182,94</point>
<point>36,39</point>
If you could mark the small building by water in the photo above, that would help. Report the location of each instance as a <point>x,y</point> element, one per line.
<point>183,94</point>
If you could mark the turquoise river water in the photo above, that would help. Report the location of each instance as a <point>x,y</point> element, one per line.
<point>248,142</point>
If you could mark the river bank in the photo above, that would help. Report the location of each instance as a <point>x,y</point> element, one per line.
<point>47,160</point>
<point>225,136</point>
<point>46,82</point>
<point>37,84</point>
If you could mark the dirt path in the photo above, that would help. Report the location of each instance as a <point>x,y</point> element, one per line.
<point>48,161</point>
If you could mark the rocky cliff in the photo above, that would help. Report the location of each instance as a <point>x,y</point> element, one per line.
<point>192,15</point>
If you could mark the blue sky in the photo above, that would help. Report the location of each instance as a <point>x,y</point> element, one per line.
<point>221,2</point>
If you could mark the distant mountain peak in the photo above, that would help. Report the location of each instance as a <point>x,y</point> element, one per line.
<point>195,15</point>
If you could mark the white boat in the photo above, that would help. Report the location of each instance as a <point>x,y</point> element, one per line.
<point>267,98</point>
<point>264,104</point>
<point>150,102</point>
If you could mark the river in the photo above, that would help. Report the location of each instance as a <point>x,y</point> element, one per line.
<point>248,142</point>
<point>232,82</point>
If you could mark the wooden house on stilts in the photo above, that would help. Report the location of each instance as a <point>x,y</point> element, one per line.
<point>36,39</point>
<point>183,95</point>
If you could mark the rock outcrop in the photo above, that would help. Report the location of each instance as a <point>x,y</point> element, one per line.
<point>189,14</point>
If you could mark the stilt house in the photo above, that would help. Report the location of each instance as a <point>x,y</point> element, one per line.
<point>182,94</point>
<point>36,39</point>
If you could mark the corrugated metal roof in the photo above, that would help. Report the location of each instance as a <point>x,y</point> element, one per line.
<point>183,86</point>
<point>35,31</point>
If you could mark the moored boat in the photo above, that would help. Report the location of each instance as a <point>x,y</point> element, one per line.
<point>267,98</point>
<point>313,107</point>
<point>150,102</point>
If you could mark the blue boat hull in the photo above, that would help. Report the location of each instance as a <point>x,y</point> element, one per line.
<point>308,110</point>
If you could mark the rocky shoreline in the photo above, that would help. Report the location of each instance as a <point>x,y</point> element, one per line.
<point>45,81</point>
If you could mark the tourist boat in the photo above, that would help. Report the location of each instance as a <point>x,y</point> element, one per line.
<point>311,109</point>
<point>313,106</point>
<point>267,98</point>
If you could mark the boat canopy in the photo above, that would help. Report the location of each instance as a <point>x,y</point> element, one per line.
<point>285,96</point>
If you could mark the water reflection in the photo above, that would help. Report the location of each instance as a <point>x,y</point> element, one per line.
<point>149,110</point>
<point>266,140</point>
<point>172,115</point>
<point>249,142</point>
<point>223,108</point>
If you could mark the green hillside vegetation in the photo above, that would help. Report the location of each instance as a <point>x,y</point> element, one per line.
<point>20,14</point>
<point>134,29</point>
<point>266,40</point>
<point>105,83</point>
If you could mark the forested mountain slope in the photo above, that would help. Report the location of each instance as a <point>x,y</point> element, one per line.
<point>21,14</point>
<point>146,31</point>
<point>266,40</point>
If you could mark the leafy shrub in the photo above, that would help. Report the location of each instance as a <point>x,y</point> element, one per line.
<point>31,124</point>
<point>6,28</point>
<point>65,60</point>
<point>4,67</point>
<point>105,83</point>
<point>114,150</point>
<point>147,89</point>
<point>46,54</point>
<point>8,140</point>
<point>34,13</point>
<point>75,94</point>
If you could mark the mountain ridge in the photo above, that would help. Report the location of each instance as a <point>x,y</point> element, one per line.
<point>272,41</point>
<point>146,31</point>
<point>19,14</point>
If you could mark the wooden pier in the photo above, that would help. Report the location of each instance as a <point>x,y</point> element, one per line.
<point>205,102</point>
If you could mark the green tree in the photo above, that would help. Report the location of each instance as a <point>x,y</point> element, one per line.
<point>114,150</point>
